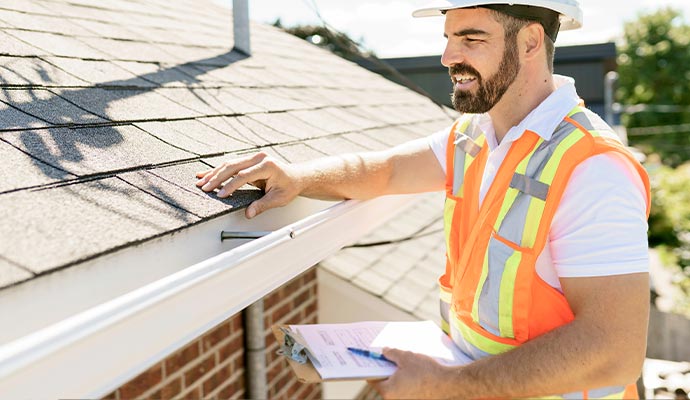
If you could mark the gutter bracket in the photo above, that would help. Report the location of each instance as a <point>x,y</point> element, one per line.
<point>234,235</point>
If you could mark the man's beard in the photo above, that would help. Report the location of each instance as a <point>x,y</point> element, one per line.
<point>490,92</point>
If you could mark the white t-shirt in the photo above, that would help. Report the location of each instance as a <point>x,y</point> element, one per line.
<point>600,227</point>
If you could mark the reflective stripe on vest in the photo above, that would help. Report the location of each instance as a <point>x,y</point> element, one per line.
<point>490,288</point>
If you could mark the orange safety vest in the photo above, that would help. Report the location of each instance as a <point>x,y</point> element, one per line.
<point>492,299</point>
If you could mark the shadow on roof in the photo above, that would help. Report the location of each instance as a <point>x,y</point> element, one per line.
<point>67,128</point>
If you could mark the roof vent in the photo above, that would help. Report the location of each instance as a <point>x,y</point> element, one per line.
<point>240,12</point>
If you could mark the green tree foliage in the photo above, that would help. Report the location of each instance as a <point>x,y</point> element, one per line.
<point>654,67</point>
<point>669,224</point>
<point>337,42</point>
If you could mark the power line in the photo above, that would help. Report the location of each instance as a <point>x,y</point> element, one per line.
<point>419,233</point>
<point>659,130</point>
<point>656,108</point>
<point>387,242</point>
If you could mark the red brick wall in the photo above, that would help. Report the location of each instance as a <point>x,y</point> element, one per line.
<point>294,303</point>
<point>212,366</point>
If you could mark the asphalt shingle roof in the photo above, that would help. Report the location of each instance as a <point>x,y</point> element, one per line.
<point>404,274</point>
<point>107,109</point>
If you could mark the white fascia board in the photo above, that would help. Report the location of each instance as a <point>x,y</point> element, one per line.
<point>94,352</point>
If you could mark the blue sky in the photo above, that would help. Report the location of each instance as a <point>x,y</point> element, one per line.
<point>387,27</point>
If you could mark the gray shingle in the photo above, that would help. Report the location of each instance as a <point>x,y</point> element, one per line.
<point>47,105</point>
<point>176,185</point>
<point>324,121</point>
<point>424,277</point>
<point>34,71</point>
<point>11,274</point>
<point>235,128</point>
<point>58,45</point>
<point>155,20</point>
<point>278,77</point>
<point>406,295</point>
<point>113,5</point>
<point>127,104</point>
<point>404,274</point>
<point>31,6</point>
<point>87,151</point>
<point>351,117</point>
<point>335,145</point>
<point>343,266</point>
<point>195,99</point>
<point>312,96</point>
<point>187,53</point>
<point>298,152</point>
<point>76,11</point>
<point>158,35</point>
<point>36,22</point>
<point>29,171</point>
<point>130,50</point>
<point>271,100</point>
<point>428,308</point>
<point>79,221</point>
<point>231,74</point>
<point>162,74</point>
<point>395,135</point>
<point>290,78</point>
<point>372,282</point>
<point>366,141</point>
<point>15,119</point>
<point>289,125</point>
<point>266,132</point>
<point>262,58</point>
<point>10,45</point>
<point>415,113</point>
<point>395,263</point>
<point>107,30</point>
<point>228,101</point>
<point>98,72</point>
<point>432,126</point>
<point>218,160</point>
<point>194,137</point>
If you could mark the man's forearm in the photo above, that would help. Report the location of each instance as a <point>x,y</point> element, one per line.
<point>407,168</point>
<point>569,359</point>
<point>350,176</point>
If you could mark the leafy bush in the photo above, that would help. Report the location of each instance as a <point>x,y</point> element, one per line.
<point>669,223</point>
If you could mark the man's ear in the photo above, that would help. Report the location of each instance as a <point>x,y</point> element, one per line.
<point>532,40</point>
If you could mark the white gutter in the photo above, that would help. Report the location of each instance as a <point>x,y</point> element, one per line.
<point>94,352</point>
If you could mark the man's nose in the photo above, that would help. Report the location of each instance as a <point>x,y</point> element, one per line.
<point>451,56</point>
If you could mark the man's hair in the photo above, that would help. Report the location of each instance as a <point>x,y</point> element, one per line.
<point>512,25</point>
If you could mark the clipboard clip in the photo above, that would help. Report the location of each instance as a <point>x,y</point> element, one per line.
<point>292,348</point>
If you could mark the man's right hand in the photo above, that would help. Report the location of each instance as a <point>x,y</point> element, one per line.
<point>279,180</point>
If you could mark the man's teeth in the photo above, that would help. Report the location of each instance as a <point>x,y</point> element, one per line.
<point>464,79</point>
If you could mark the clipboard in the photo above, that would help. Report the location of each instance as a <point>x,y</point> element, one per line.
<point>296,352</point>
<point>315,351</point>
<point>304,371</point>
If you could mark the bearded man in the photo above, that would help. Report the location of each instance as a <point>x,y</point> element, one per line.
<point>546,284</point>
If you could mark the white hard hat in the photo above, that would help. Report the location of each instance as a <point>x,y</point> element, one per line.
<point>569,10</point>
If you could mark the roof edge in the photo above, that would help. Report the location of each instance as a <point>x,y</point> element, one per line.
<point>224,285</point>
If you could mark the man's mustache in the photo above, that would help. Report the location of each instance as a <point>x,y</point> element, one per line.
<point>463,69</point>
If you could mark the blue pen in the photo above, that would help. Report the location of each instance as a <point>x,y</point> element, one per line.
<point>369,353</point>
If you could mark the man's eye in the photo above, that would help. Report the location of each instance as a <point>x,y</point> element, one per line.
<point>473,40</point>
